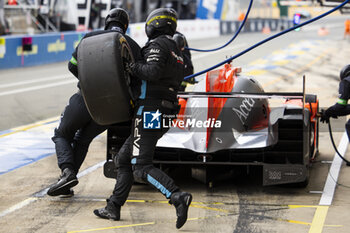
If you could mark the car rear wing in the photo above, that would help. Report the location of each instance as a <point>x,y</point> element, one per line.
<point>266,95</point>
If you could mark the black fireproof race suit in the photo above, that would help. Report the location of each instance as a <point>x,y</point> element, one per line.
<point>76,129</point>
<point>341,108</point>
<point>161,73</point>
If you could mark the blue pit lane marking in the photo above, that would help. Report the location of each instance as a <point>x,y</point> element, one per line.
<point>26,145</point>
<point>270,67</point>
<point>7,167</point>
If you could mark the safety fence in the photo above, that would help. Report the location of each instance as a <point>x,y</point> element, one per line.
<point>255,25</point>
<point>30,50</point>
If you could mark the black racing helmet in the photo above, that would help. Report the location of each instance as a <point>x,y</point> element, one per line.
<point>161,21</point>
<point>345,72</point>
<point>180,41</point>
<point>119,16</point>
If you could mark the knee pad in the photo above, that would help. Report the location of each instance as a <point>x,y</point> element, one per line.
<point>140,172</point>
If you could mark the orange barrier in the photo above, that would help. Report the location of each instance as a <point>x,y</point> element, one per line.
<point>347,28</point>
<point>241,16</point>
<point>266,30</point>
<point>323,31</point>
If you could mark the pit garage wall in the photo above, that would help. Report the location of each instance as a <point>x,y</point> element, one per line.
<point>58,47</point>
<point>46,48</point>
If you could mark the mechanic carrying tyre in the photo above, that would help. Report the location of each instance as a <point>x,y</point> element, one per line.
<point>77,129</point>
<point>161,73</point>
<point>341,108</point>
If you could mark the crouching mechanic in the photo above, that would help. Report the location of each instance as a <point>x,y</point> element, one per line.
<point>341,108</point>
<point>77,129</point>
<point>161,73</point>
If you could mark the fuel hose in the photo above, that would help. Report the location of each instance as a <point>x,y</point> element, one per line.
<point>335,148</point>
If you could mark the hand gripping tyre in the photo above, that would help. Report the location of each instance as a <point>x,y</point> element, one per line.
<point>103,80</point>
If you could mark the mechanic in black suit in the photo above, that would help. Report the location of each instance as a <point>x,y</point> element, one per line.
<point>182,43</point>
<point>341,108</point>
<point>161,73</point>
<point>76,129</point>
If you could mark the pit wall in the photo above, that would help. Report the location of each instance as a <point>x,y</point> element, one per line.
<point>31,50</point>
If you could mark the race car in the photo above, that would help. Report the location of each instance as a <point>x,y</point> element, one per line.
<point>227,121</point>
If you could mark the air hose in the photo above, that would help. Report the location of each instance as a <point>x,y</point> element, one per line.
<point>267,39</point>
<point>335,148</point>
<point>232,39</point>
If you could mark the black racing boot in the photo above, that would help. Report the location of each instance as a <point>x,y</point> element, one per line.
<point>111,211</point>
<point>181,201</point>
<point>67,180</point>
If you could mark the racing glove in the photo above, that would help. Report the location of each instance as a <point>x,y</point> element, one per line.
<point>324,116</point>
<point>330,112</point>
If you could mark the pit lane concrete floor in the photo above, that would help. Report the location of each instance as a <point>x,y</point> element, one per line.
<point>237,204</point>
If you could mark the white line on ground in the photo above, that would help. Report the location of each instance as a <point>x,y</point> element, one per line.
<point>332,178</point>
<point>34,81</point>
<point>18,206</point>
<point>90,169</point>
<point>37,87</point>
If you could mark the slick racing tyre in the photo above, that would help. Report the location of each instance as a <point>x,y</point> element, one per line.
<point>103,81</point>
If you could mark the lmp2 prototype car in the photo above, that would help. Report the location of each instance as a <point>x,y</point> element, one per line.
<point>226,121</point>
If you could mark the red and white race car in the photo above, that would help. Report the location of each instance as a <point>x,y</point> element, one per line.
<point>227,121</point>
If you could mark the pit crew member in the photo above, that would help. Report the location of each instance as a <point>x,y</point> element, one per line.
<point>161,73</point>
<point>76,129</point>
<point>341,108</point>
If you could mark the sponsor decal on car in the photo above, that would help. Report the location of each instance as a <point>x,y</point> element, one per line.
<point>244,109</point>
